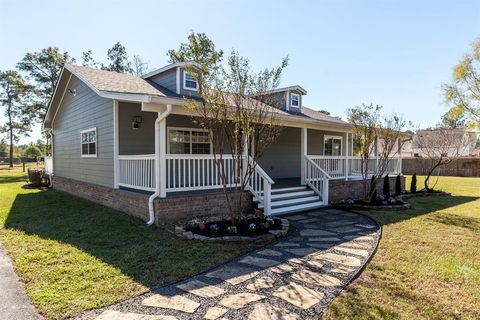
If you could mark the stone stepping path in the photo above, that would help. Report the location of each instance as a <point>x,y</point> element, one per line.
<point>295,278</point>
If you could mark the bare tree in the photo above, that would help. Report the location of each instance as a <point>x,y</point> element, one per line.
<point>366,122</point>
<point>440,145</point>
<point>390,138</point>
<point>241,116</point>
<point>139,66</point>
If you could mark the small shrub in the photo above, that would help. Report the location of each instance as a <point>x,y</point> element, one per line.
<point>232,229</point>
<point>252,227</point>
<point>386,187</point>
<point>398,185</point>
<point>413,184</point>
<point>214,228</point>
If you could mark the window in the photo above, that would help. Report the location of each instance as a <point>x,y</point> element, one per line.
<point>295,100</point>
<point>332,146</point>
<point>89,142</point>
<point>188,141</point>
<point>189,81</point>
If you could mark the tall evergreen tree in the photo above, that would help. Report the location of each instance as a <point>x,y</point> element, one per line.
<point>199,49</point>
<point>118,59</point>
<point>43,68</point>
<point>15,95</point>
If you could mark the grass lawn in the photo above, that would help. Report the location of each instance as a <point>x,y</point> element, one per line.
<point>428,263</point>
<point>75,255</point>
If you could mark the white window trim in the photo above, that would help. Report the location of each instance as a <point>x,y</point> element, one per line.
<point>291,99</point>
<point>169,129</point>
<point>326,137</point>
<point>96,143</point>
<point>185,82</point>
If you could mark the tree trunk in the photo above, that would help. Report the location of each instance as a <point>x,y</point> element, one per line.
<point>11,147</point>
<point>431,172</point>
<point>10,131</point>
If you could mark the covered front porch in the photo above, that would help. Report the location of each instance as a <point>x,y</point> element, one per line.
<point>169,153</point>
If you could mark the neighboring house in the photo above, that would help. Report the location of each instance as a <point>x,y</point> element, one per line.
<point>469,146</point>
<point>129,142</point>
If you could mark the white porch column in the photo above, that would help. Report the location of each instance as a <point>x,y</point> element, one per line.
<point>244,157</point>
<point>303,155</point>
<point>347,169</point>
<point>116,164</point>
<point>162,159</point>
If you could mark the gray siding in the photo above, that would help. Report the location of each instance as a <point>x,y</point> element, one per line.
<point>283,158</point>
<point>83,111</point>
<point>183,92</point>
<point>141,140</point>
<point>279,100</point>
<point>167,79</point>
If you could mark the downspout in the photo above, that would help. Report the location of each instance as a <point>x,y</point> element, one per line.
<point>51,149</point>
<point>151,207</point>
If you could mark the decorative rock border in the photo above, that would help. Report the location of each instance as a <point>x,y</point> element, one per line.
<point>402,206</point>
<point>181,232</point>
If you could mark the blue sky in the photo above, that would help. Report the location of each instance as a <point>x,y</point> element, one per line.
<point>344,53</point>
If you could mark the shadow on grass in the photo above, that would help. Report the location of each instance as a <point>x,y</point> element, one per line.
<point>147,255</point>
<point>425,205</point>
<point>13,179</point>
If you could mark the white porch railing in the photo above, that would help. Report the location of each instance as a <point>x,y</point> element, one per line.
<point>137,171</point>
<point>260,185</point>
<point>333,165</point>
<point>200,172</point>
<point>338,167</point>
<point>49,164</point>
<point>316,178</point>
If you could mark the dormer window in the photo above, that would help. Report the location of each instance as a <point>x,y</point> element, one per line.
<point>189,82</point>
<point>295,100</point>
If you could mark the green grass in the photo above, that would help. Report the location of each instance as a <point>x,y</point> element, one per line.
<point>428,262</point>
<point>75,255</point>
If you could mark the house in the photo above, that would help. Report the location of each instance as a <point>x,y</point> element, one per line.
<point>128,142</point>
<point>443,141</point>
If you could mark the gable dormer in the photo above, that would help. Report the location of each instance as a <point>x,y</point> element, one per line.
<point>179,78</point>
<point>289,98</point>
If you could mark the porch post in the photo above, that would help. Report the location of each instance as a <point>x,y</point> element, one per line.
<point>399,141</point>
<point>244,157</point>
<point>346,157</point>
<point>116,166</point>
<point>162,167</point>
<point>304,154</point>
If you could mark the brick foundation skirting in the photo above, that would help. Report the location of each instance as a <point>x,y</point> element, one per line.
<point>185,208</point>
<point>353,189</point>
<point>167,210</point>
<point>133,203</point>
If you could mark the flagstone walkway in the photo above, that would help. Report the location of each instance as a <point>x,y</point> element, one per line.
<point>295,278</point>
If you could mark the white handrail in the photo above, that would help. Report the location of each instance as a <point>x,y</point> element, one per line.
<point>317,179</point>
<point>260,185</point>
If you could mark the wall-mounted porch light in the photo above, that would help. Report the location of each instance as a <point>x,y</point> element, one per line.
<point>136,122</point>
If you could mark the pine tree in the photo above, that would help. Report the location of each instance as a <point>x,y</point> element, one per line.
<point>398,185</point>
<point>386,187</point>
<point>413,184</point>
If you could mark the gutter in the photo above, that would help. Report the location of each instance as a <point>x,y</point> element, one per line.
<point>151,207</point>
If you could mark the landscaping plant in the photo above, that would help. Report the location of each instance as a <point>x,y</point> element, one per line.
<point>398,185</point>
<point>413,184</point>
<point>386,187</point>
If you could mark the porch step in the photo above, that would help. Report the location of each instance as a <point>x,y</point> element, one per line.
<point>293,201</point>
<point>297,208</point>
